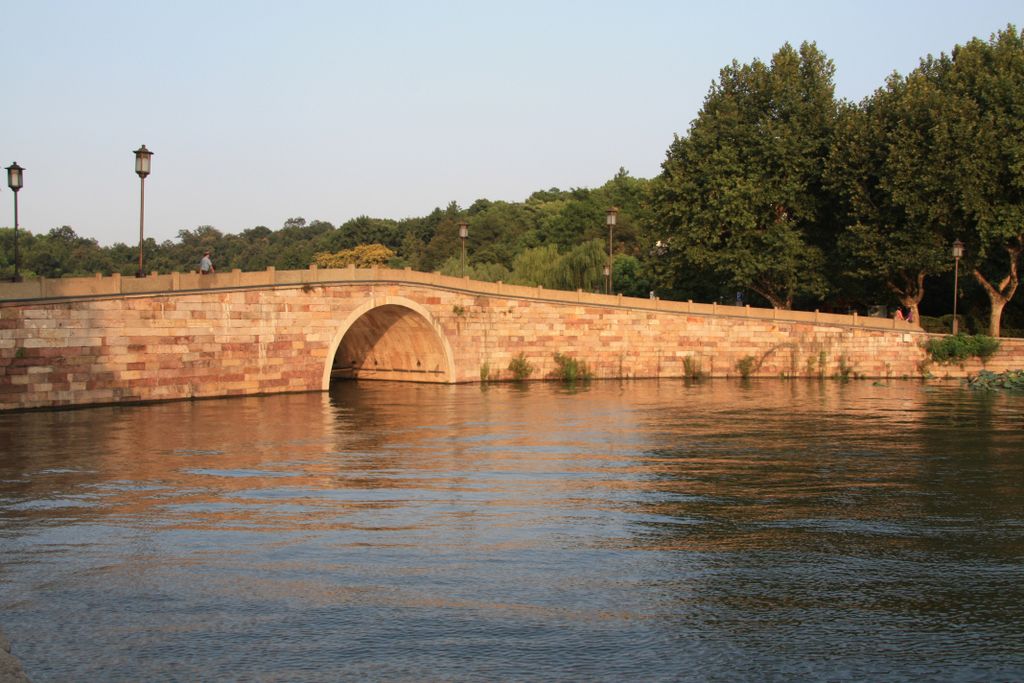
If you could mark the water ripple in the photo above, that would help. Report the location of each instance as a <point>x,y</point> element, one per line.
<point>710,531</point>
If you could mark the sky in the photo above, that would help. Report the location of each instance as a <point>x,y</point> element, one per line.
<point>257,112</point>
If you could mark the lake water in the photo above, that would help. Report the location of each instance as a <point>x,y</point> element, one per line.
<point>644,530</point>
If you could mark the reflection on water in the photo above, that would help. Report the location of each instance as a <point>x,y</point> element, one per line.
<point>638,530</point>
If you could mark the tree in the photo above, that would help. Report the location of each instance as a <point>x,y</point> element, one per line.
<point>629,277</point>
<point>61,252</point>
<point>499,231</point>
<point>360,230</point>
<point>892,231</point>
<point>582,267</point>
<point>628,194</point>
<point>25,241</point>
<point>294,256</point>
<point>535,266</point>
<point>742,193</point>
<point>486,272</point>
<point>954,164</point>
<point>361,256</point>
<point>578,220</point>
<point>986,80</point>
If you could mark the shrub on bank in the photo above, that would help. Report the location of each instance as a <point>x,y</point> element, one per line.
<point>960,347</point>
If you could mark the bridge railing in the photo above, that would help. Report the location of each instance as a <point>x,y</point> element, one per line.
<point>103,286</point>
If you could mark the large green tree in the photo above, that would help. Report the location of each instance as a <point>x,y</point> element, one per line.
<point>949,160</point>
<point>886,152</point>
<point>985,82</point>
<point>741,194</point>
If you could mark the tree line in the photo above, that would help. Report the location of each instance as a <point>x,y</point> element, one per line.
<point>778,194</point>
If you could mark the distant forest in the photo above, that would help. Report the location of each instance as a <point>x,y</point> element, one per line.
<point>777,195</point>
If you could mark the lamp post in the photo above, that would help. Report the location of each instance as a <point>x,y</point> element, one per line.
<point>142,156</point>
<point>15,181</point>
<point>611,216</point>
<point>463,234</point>
<point>958,251</point>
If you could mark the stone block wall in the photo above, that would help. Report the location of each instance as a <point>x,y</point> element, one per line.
<point>625,342</point>
<point>281,334</point>
<point>165,347</point>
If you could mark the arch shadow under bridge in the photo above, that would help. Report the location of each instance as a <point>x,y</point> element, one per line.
<point>396,340</point>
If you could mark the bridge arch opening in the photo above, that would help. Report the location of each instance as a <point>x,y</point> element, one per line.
<point>395,341</point>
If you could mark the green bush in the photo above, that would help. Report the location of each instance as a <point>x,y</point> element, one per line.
<point>960,347</point>
<point>571,370</point>
<point>520,367</point>
<point>985,346</point>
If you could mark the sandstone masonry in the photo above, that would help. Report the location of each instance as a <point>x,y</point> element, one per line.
<point>75,342</point>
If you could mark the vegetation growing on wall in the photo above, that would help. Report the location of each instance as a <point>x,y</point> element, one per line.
<point>958,348</point>
<point>519,367</point>
<point>571,370</point>
<point>746,366</point>
<point>692,368</point>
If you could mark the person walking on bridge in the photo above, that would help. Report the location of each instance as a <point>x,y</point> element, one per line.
<point>206,265</point>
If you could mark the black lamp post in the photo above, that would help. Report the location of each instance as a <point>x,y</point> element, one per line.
<point>142,156</point>
<point>958,252</point>
<point>463,234</point>
<point>611,216</point>
<point>15,181</point>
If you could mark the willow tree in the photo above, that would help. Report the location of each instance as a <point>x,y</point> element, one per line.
<point>536,266</point>
<point>582,267</point>
<point>741,194</point>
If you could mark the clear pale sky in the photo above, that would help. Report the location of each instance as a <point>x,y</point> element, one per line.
<point>261,111</point>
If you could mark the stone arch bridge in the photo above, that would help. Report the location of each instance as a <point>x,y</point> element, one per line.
<point>181,335</point>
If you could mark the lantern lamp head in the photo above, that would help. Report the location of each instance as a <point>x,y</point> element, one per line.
<point>612,216</point>
<point>14,177</point>
<point>142,157</point>
<point>958,249</point>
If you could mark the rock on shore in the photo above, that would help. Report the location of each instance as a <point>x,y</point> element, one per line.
<point>10,667</point>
